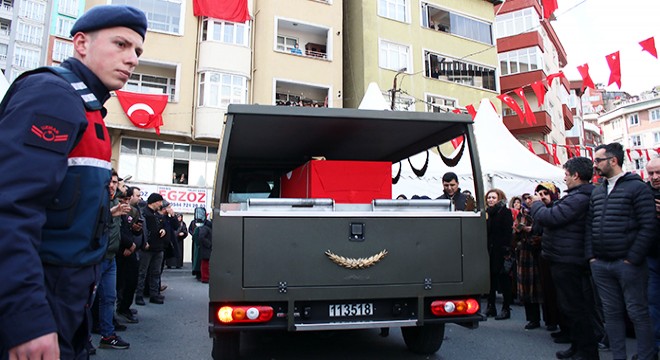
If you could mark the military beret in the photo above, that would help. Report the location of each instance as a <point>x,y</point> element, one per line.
<point>107,16</point>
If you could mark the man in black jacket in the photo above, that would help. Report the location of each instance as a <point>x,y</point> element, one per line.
<point>563,246</point>
<point>621,228</point>
<point>452,192</point>
<point>653,172</point>
<point>151,258</point>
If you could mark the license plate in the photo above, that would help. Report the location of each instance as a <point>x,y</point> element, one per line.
<point>365,309</point>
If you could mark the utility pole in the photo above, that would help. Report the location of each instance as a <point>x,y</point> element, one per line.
<point>394,89</point>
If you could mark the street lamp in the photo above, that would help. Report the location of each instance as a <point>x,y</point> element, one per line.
<point>394,90</point>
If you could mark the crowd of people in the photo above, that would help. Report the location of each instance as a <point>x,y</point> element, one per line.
<point>585,263</point>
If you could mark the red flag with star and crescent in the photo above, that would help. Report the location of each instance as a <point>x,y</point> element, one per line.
<point>144,110</point>
<point>614,62</point>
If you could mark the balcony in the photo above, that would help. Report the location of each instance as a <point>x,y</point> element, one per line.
<point>303,40</point>
<point>514,81</point>
<point>567,114</point>
<point>6,11</point>
<point>543,124</point>
<point>294,94</point>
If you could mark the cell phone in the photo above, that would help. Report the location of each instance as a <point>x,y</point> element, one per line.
<point>657,196</point>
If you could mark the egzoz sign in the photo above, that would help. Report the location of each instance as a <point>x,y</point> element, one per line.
<point>183,199</point>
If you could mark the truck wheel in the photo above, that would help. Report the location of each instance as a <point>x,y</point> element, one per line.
<point>226,346</point>
<point>425,339</point>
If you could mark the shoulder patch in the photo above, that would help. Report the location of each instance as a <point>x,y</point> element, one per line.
<point>50,133</point>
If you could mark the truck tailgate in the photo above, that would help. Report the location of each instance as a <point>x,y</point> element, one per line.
<point>293,250</point>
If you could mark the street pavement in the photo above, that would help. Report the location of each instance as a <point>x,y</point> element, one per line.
<point>178,330</point>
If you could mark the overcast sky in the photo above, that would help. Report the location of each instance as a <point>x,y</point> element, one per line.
<point>591,29</point>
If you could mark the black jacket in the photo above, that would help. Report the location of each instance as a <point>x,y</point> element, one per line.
<point>499,228</point>
<point>153,226</point>
<point>458,199</point>
<point>621,226</point>
<point>655,250</point>
<point>205,236</point>
<point>563,223</point>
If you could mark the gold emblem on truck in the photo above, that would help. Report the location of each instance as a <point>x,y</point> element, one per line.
<point>352,263</point>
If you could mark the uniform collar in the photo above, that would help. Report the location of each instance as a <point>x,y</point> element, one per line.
<point>89,78</point>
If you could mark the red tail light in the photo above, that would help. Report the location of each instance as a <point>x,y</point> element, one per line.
<point>454,307</point>
<point>244,314</point>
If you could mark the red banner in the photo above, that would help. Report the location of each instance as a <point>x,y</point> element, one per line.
<point>144,110</point>
<point>648,45</point>
<point>586,78</point>
<point>614,62</point>
<point>470,109</point>
<point>539,90</point>
<point>549,7</point>
<point>529,114</point>
<point>530,147</point>
<point>507,99</point>
<point>230,10</point>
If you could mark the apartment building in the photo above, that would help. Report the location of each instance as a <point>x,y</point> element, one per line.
<point>529,50</point>
<point>635,124</point>
<point>64,14</point>
<point>23,35</point>
<point>431,55</point>
<point>298,53</point>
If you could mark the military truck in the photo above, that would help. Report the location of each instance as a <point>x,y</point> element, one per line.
<point>317,264</point>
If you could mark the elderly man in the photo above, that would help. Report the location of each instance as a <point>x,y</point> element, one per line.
<point>653,171</point>
<point>54,211</point>
<point>621,229</point>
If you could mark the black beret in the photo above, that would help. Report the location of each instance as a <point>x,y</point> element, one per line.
<point>154,197</point>
<point>107,16</point>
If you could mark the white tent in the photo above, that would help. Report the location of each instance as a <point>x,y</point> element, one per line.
<point>373,99</point>
<point>505,163</point>
<point>4,86</point>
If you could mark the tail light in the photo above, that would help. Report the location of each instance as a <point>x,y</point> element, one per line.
<point>244,314</point>
<point>454,307</point>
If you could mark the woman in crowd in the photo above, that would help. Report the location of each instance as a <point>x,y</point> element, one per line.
<point>499,223</point>
<point>528,250</point>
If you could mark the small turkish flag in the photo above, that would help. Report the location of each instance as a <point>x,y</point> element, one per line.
<point>549,7</point>
<point>614,62</point>
<point>552,77</point>
<point>586,78</point>
<point>539,90</point>
<point>529,114</point>
<point>530,147</point>
<point>470,109</point>
<point>144,110</point>
<point>648,45</point>
<point>507,99</point>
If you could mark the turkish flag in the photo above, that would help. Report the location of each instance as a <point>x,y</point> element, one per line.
<point>586,78</point>
<point>456,111</point>
<point>648,158</point>
<point>577,150</point>
<point>628,153</point>
<point>648,45</point>
<point>529,114</point>
<point>539,90</point>
<point>554,154</point>
<point>456,142</point>
<point>229,10</point>
<point>530,147</point>
<point>144,110</point>
<point>552,77</point>
<point>614,62</point>
<point>507,99</point>
<point>549,7</point>
<point>569,152</point>
<point>590,150</point>
<point>470,109</point>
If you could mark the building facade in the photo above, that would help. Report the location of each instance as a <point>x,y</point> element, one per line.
<point>635,124</point>
<point>432,55</point>
<point>529,50</point>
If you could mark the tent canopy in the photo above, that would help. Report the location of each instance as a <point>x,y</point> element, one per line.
<point>505,163</point>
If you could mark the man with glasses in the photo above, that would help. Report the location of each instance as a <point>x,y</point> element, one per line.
<point>620,229</point>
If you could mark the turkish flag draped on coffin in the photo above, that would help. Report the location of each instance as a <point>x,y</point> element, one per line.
<point>144,110</point>
<point>230,10</point>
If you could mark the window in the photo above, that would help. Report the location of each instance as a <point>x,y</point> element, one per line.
<point>152,84</point>
<point>393,9</point>
<point>286,43</point>
<point>219,89</point>
<point>225,32</point>
<point>62,50</point>
<point>63,27</point>
<point>29,33</point>
<point>654,114</point>
<point>162,15</point>
<point>518,61</point>
<point>26,58</point>
<point>393,56</point>
<point>439,104</point>
<point>165,162</point>
<point>633,120</point>
<point>656,137</point>
<point>3,52</point>
<point>33,10</point>
<point>635,140</point>
<point>455,24</point>
<point>640,163</point>
<point>516,22</point>
<point>444,68</point>
<point>68,7</point>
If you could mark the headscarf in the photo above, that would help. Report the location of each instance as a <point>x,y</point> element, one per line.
<point>551,188</point>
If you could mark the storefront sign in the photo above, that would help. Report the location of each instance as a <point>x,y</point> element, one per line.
<point>183,199</point>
